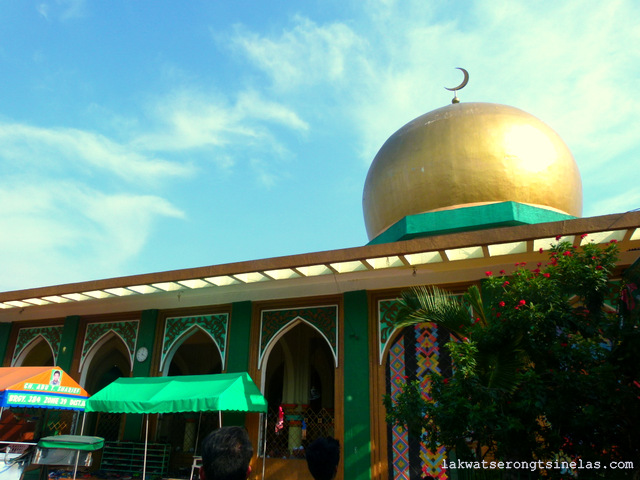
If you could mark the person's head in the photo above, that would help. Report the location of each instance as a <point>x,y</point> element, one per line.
<point>226,454</point>
<point>323,456</point>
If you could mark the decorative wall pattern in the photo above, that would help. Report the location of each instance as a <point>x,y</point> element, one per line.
<point>52,335</point>
<point>387,310</point>
<point>216,326</point>
<point>415,352</point>
<point>127,330</point>
<point>323,319</point>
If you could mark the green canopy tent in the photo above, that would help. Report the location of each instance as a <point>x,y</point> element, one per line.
<point>188,393</point>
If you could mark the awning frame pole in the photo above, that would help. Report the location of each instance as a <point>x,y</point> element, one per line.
<point>75,468</point>
<point>146,441</point>
<point>84,416</point>
<point>264,443</point>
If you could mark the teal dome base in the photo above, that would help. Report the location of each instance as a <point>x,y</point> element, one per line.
<point>466,219</point>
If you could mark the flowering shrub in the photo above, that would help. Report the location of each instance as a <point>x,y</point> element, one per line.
<point>544,365</point>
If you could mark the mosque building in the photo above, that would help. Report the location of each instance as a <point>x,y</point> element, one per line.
<point>458,191</point>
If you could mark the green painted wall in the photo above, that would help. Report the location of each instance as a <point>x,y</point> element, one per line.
<point>239,336</point>
<point>68,342</point>
<point>238,356</point>
<point>357,434</point>
<point>133,428</point>
<point>5,331</point>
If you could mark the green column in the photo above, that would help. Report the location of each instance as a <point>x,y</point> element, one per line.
<point>5,331</point>
<point>357,429</point>
<point>238,348</point>
<point>239,336</point>
<point>133,428</point>
<point>68,342</point>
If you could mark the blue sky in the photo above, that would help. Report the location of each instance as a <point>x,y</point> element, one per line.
<point>149,135</point>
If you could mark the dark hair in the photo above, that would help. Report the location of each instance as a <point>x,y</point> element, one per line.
<point>226,454</point>
<point>323,456</point>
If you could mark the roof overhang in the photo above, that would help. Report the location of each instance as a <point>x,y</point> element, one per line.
<point>390,265</point>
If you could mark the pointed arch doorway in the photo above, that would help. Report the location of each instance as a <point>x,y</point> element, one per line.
<point>194,353</point>
<point>108,360</point>
<point>298,375</point>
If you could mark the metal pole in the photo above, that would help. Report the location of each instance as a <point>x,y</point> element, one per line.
<point>84,416</point>
<point>219,418</point>
<point>75,469</point>
<point>264,443</point>
<point>195,449</point>
<point>146,440</point>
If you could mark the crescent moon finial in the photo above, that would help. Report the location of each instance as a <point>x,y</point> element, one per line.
<point>459,87</point>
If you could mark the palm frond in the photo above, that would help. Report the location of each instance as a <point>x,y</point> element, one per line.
<point>432,304</point>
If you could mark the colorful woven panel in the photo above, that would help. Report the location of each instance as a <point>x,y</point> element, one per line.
<point>26,336</point>
<point>413,354</point>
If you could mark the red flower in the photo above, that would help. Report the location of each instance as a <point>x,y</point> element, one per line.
<point>563,344</point>
<point>522,302</point>
<point>583,235</point>
<point>488,273</point>
<point>567,254</point>
<point>599,267</point>
<point>614,241</point>
<point>498,314</point>
<point>446,380</point>
<point>537,270</point>
<point>539,264</point>
<point>502,272</point>
<point>547,275</point>
<point>502,304</point>
<point>505,283</point>
<point>558,237</point>
<point>541,250</point>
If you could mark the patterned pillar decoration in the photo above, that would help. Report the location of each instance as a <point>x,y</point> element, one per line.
<point>51,335</point>
<point>215,326</point>
<point>413,353</point>
<point>323,319</point>
<point>387,310</point>
<point>127,331</point>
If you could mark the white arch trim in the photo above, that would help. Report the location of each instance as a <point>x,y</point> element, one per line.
<point>85,363</point>
<point>33,343</point>
<point>177,343</point>
<point>293,323</point>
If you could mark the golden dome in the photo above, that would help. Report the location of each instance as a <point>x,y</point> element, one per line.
<point>469,154</point>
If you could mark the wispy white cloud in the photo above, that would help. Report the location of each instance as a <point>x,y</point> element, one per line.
<point>76,151</point>
<point>305,54</point>
<point>190,121</point>
<point>57,232</point>
<point>62,9</point>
